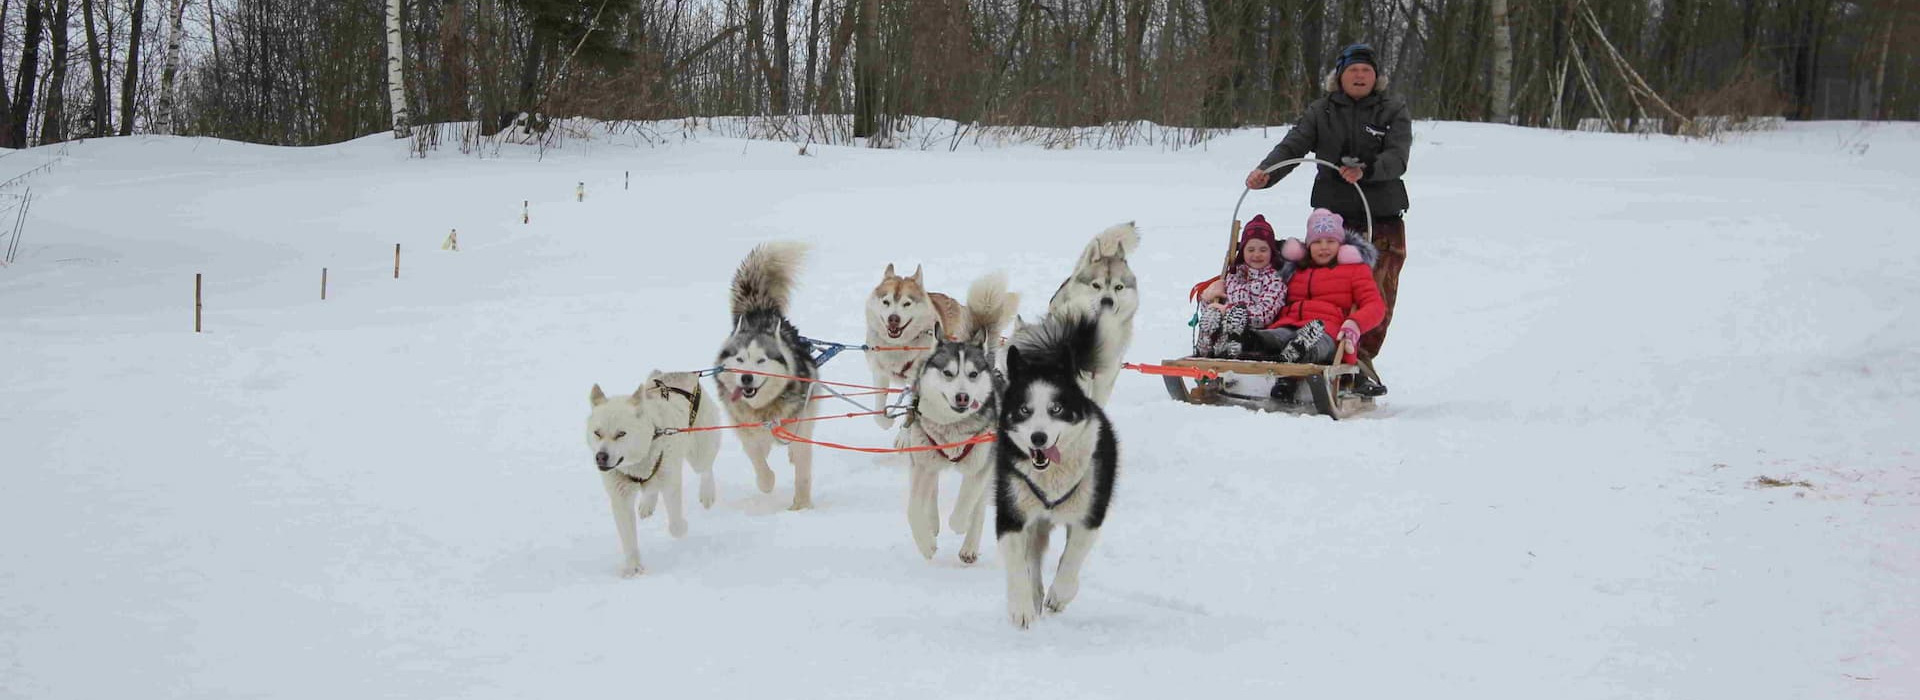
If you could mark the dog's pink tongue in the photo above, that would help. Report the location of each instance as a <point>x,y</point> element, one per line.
<point>738,392</point>
<point>1052,454</point>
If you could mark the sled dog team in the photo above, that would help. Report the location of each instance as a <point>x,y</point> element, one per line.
<point>1053,458</point>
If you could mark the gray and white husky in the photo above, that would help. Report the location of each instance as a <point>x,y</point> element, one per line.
<point>956,392</point>
<point>639,454</point>
<point>1056,461</point>
<point>1102,284</point>
<point>759,358</point>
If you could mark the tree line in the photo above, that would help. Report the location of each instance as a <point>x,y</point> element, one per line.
<point>302,72</point>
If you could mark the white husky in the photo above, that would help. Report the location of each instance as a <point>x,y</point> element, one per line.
<point>639,454</point>
<point>1102,284</point>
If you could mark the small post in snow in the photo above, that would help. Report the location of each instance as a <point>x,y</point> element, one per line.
<point>524,217</point>
<point>453,241</point>
<point>323,284</point>
<point>196,302</point>
<point>626,181</point>
<point>580,192</point>
<point>396,261</point>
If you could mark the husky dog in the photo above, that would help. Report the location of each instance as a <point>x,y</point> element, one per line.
<point>1056,460</point>
<point>764,343</point>
<point>901,312</point>
<point>1102,284</point>
<point>639,456</point>
<point>956,394</point>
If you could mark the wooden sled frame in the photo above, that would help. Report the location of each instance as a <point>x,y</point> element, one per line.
<point>1323,382</point>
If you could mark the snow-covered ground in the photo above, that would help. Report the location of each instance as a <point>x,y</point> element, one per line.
<point>1602,341</point>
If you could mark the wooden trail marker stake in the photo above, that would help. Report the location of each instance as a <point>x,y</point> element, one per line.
<point>323,284</point>
<point>626,181</point>
<point>196,302</point>
<point>396,261</point>
<point>524,218</point>
<point>580,192</point>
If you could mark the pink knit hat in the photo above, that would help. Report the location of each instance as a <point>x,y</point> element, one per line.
<point>1323,224</point>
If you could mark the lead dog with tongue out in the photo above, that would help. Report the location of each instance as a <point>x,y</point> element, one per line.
<point>766,367</point>
<point>1055,460</point>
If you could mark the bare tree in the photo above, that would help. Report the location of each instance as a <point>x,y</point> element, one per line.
<point>1502,88</point>
<point>130,82</point>
<point>102,114</point>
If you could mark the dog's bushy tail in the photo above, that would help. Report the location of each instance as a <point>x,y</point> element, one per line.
<point>1068,342</point>
<point>1118,241</point>
<point>765,279</point>
<point>989,307</point>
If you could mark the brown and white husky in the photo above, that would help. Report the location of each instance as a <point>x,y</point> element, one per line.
<point>902,313</point>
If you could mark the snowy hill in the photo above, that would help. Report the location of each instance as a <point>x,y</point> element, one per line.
<point>1602,341</point>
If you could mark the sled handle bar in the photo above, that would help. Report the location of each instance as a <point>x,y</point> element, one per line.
<point>1233,237</point>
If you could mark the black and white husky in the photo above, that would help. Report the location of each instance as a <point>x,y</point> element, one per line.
<point>757,359</point>
<point>956,394</point>
<point>1056,460</point>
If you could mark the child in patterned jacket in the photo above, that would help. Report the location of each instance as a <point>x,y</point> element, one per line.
<point>1248,296</point>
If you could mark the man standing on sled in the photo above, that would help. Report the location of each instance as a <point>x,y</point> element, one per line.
<point>1368,133</point>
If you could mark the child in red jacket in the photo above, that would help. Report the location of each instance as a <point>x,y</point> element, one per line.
<point>1332,289</point>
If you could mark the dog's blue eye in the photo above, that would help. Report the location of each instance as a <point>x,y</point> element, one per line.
<point>620,434</point>
<point>1096,285</point>
<point>906,303</point>
<point>1054,410</point>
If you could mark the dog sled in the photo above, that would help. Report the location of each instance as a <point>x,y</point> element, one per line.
<point>1307,389</point>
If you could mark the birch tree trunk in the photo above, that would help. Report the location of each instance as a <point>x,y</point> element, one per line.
<point>131,81</point>
<point>396,72</point>
<point>1502,87</point>
<point>163,116</point>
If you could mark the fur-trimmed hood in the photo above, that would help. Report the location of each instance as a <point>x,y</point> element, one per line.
<point>1332,82</point>
<point>1356,249</point>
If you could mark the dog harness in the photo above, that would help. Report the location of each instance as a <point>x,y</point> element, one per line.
<point>1037,493</point>
<point>693,414</point>
<point>964,451</point>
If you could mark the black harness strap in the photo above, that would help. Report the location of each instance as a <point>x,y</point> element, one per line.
<point>1037,493</point>
<point>693,415</point>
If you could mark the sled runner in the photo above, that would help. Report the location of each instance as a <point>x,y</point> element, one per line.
<point>1308,389</point>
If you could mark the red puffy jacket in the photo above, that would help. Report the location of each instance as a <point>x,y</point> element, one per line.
<point>1332,295</point>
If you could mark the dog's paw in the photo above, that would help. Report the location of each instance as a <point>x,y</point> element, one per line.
<point>633,569</point>
<point>1022,615</point>
<point>969,556</point>
<point>1060,596</point>
<point>801,504</point>
<point>763,478</point>
<point>646,507</point>
<point>677,528</point>
<point>926,545</point>
<point>707,495</point>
